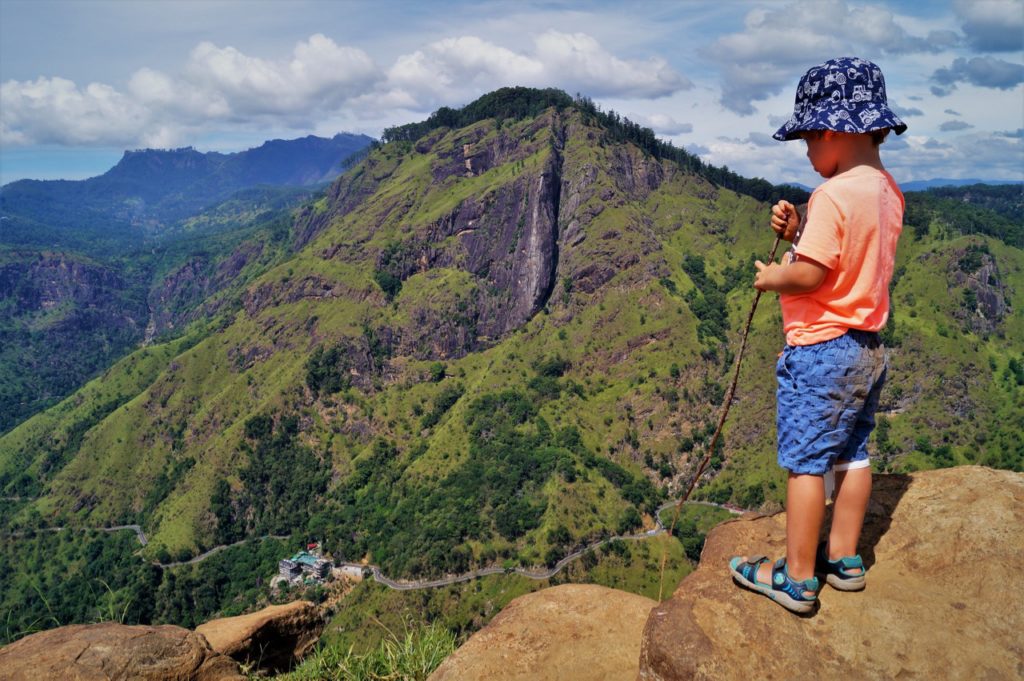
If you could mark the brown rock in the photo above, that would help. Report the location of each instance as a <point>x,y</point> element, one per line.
<point>943,600</point>
<point>272,638</point>
<point>581,632</point>
<point>111,652</point>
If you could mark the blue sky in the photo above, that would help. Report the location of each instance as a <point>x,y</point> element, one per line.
<point>82,80</point>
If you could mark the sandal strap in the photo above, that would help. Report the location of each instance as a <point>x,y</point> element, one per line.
<point>781,581</point>
<point>842,565</point>
<point>750,566</point>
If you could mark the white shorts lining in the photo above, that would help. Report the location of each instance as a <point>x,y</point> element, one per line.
<point>861,463</point>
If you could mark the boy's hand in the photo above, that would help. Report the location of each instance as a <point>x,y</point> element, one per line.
<point>766,275</point>
<point>785,219</point>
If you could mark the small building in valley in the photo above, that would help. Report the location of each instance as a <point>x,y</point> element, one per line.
<point>304,565</point>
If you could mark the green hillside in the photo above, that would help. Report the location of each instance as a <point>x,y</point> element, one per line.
<point>500,341</point>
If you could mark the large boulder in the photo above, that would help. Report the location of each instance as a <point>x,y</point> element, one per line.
<point>581,632</point>
<point>272,638</point>
<point>116,652</point>
<point>943,599</point>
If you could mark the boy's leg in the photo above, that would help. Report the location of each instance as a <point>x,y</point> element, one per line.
<point>853,492</point>
<point>805,512</point>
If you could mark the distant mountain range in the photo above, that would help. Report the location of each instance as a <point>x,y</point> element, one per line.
<point>90,268</point>
<point>921,185</point>
<point>150,188</point>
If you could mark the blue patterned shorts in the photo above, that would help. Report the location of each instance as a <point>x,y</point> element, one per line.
<point>827,397</point>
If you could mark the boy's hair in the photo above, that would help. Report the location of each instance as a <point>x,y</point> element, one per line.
<point>878,136</point>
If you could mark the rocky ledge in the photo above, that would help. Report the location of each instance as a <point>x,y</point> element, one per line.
<point>943,600</point>
<point>109,651</point>
<point>266,641</point>
<point>582,632</point>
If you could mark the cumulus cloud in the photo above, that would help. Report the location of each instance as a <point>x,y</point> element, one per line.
<point>997,158</point>
<point>761,139</point>
<point>952,112</point>
<point>56,110</point>
<point>216,83</point>
<point>906,111</point>
<point>320,75</point>
<point>780,43</point>
<point>992,25</point>
<point>981,71</point>
<point>953,126</point>
<point>320,79</point>
<point>662,124</point>
<point>454,69</point>
<point>1013,134</point>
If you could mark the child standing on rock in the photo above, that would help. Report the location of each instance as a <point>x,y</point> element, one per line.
<point>834,292</point>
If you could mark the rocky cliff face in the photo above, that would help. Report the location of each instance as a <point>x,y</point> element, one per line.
<point>184,294</point>
<point>62,318</point>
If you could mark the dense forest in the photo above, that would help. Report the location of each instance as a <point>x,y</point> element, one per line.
<point>49,579</point>
<point>993,210</point>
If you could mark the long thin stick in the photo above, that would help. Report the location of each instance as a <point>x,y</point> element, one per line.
<point>718,431</point>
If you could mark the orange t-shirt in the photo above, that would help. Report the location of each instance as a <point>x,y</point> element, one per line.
<point>853,223</point>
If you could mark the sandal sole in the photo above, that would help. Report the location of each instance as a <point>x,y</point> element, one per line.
<point>847,584</point>
<point>780,597</point>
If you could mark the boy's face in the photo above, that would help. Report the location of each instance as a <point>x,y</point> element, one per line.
<point>822,151</point>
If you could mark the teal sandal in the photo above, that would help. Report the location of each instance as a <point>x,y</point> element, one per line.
<point>784,590</point>
<point>840,573</point>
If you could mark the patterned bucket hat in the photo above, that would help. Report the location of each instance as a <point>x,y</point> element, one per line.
<point>846,95</point>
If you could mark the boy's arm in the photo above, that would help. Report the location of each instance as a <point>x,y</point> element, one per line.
<point>799,276</point>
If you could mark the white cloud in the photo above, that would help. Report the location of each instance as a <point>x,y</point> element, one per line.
<point>320,76</point>
<point>662,124</point>
<point>779,44</point>
<point>980,71</point>
<point>453,70</point>
<point>56,110</point>
<point>992,25</point>
<point>321,80</point>
<point>991,157</point>
<point>954,126</point>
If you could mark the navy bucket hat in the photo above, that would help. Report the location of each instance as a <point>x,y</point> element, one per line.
<point>846,95</point>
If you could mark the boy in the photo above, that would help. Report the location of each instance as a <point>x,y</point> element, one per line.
<point>834,286</point>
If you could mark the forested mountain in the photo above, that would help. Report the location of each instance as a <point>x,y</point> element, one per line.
<point>151,189</point>
<point>503,333</point>
<point>89,269</point>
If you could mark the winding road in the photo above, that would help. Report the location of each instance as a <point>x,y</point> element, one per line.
<point>404,585</point>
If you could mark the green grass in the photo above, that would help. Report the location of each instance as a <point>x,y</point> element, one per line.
<point>410,655</point>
